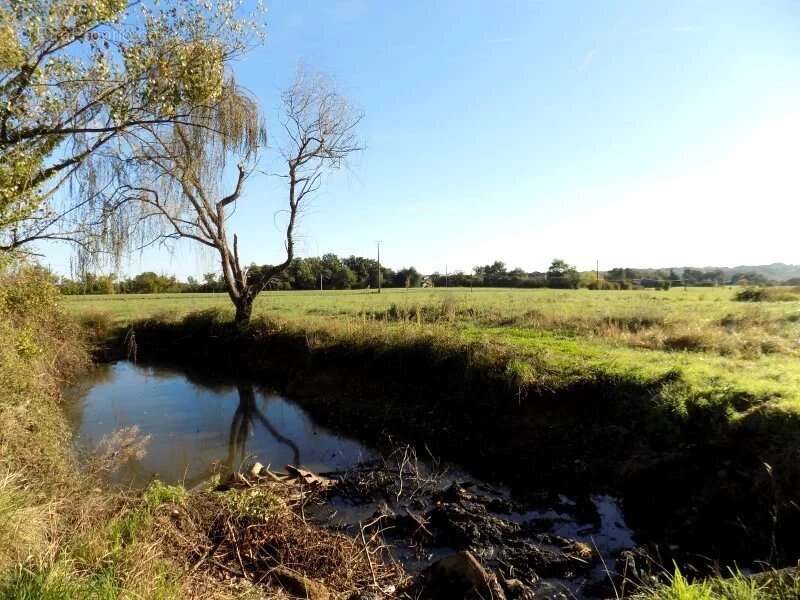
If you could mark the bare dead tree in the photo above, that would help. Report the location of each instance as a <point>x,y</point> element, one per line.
<point>177,193</point>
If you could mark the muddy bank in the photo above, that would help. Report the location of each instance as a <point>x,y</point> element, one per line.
<point>429,533</point>
<point>696,485</point>
<point>547,545</point>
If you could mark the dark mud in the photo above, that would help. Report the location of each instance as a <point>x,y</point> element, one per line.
<point>547,544</point>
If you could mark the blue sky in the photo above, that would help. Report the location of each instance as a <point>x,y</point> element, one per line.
<point>633,133</point>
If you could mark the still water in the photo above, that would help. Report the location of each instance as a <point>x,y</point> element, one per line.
<point>196,421</point>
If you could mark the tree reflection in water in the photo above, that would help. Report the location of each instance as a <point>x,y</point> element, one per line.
<point>244,419</point>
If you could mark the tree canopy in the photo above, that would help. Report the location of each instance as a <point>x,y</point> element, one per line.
<point>79,80</point>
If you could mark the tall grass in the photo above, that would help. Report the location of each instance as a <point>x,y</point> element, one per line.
<point>771,585</point>
<point>59,530</point>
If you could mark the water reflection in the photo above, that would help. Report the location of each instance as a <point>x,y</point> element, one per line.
<point>242,424</point>
<point>197,421</point>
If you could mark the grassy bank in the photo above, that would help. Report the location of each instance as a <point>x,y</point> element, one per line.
<point>65,535</point>
<point>61,534</point>
<point>721,347</point>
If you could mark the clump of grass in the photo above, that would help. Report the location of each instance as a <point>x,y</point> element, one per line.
<point>254,503</point>
<point>97,324</point>
<point>633,323</point>
<point>159,493</point>
<point>448,310</point>
<point>205,318</point>
<point>24,583</point>
<point>772,585</point>
<point>766,295</point>
<point>688,341</point>
<point>40,349</point>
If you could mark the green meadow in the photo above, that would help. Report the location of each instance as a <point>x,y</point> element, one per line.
<point>717,346</point>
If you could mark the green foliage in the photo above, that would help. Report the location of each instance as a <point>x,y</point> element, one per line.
<point>562,275</point>
<point>71,67</point>
<point>149,283</point>
<point>88,283</point>
<point>39,346</point>
<point>255,503</point>
<point>766,586</point>
<point>28,584</point>
<point>159,493</point>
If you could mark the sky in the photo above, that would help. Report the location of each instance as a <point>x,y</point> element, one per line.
<point>630,133</point>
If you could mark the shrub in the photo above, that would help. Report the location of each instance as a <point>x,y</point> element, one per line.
<point>97,324</point>
<point>766,295</point>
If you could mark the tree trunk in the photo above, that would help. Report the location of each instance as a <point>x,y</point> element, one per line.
<point>244,309</point>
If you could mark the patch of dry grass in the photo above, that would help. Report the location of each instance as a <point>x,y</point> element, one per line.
<point>255,532</point>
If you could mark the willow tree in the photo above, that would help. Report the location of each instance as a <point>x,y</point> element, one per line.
<point>78,77</point>
<point>200,172</point>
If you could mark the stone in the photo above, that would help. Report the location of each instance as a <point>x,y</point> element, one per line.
<point>460,576</point>
<point>516,590</point>
<point>300,586</point>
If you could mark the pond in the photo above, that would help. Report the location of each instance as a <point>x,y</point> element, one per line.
<point>197,422</point>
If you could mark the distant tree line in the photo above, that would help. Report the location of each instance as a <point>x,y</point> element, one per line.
<point>330,272</point>
<point>327,272</point>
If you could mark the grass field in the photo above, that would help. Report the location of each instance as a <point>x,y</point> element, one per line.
<point>718,346</point>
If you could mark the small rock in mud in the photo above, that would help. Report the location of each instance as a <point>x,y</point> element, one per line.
<point>459,576</point>
<point>300,586</point>
<point>516,590</point>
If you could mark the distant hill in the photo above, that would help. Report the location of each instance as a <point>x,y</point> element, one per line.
<point>774,271</point>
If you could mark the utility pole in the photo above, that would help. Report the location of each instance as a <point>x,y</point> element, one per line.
<point>597,272</point>
<point>378,242</point>
<point>320,281</point>
<point>446,277</point>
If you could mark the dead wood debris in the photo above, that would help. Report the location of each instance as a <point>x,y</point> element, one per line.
<point>252,528</point>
